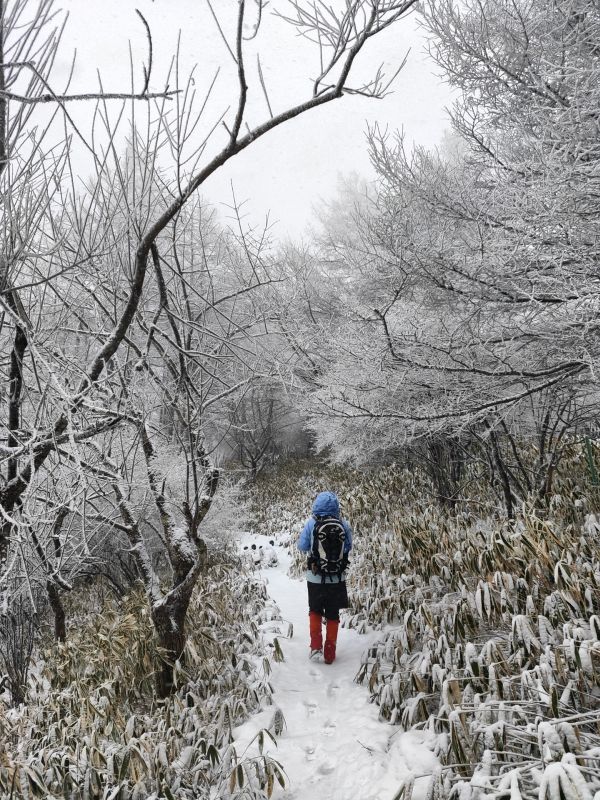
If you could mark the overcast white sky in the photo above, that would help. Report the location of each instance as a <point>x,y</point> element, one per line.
<point>291,168</point>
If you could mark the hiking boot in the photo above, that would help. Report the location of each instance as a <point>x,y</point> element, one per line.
<point>316,655</point>
<point>329,653</point>
<point>331,633</point>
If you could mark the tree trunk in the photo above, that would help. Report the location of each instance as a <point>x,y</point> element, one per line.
<point>504,476</point>
<point>5,538</point>
<point>60,628</point>
<point>169,623</point>
<point>445,464</point>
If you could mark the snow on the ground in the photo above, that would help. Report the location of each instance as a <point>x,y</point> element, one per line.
<point>333,744</point>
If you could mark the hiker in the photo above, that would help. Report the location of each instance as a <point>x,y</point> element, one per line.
<point>327,539</point>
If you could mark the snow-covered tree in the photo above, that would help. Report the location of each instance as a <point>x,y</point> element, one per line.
<point>85,271</point>
<point>471,281</point>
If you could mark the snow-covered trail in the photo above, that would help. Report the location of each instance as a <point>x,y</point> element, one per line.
<point>333,745</point>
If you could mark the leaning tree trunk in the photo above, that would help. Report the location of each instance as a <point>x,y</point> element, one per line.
<point>168,617</point>
<point>187,554</point>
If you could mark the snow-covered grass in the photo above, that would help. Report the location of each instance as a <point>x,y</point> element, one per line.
<point>92,727</point>
<point>490,636</point>
<point>468,664</point>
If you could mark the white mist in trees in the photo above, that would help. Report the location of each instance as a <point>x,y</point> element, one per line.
<point>261,426</point>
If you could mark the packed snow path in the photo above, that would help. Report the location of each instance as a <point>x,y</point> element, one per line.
<point>333,745</point>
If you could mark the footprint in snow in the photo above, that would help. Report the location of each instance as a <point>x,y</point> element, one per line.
<point>329,728</point>
<point>333,689</point>
<point>326,767</point>
<point>315,674</point>
<point>310,706</point>
<point>310,753</point>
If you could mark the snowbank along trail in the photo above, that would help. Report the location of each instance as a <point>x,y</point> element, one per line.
<point>333,745</point>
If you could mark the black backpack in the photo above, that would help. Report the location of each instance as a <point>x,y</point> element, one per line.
<point>327,557</point>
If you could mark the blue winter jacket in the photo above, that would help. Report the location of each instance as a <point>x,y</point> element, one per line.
<point>326,505</point>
